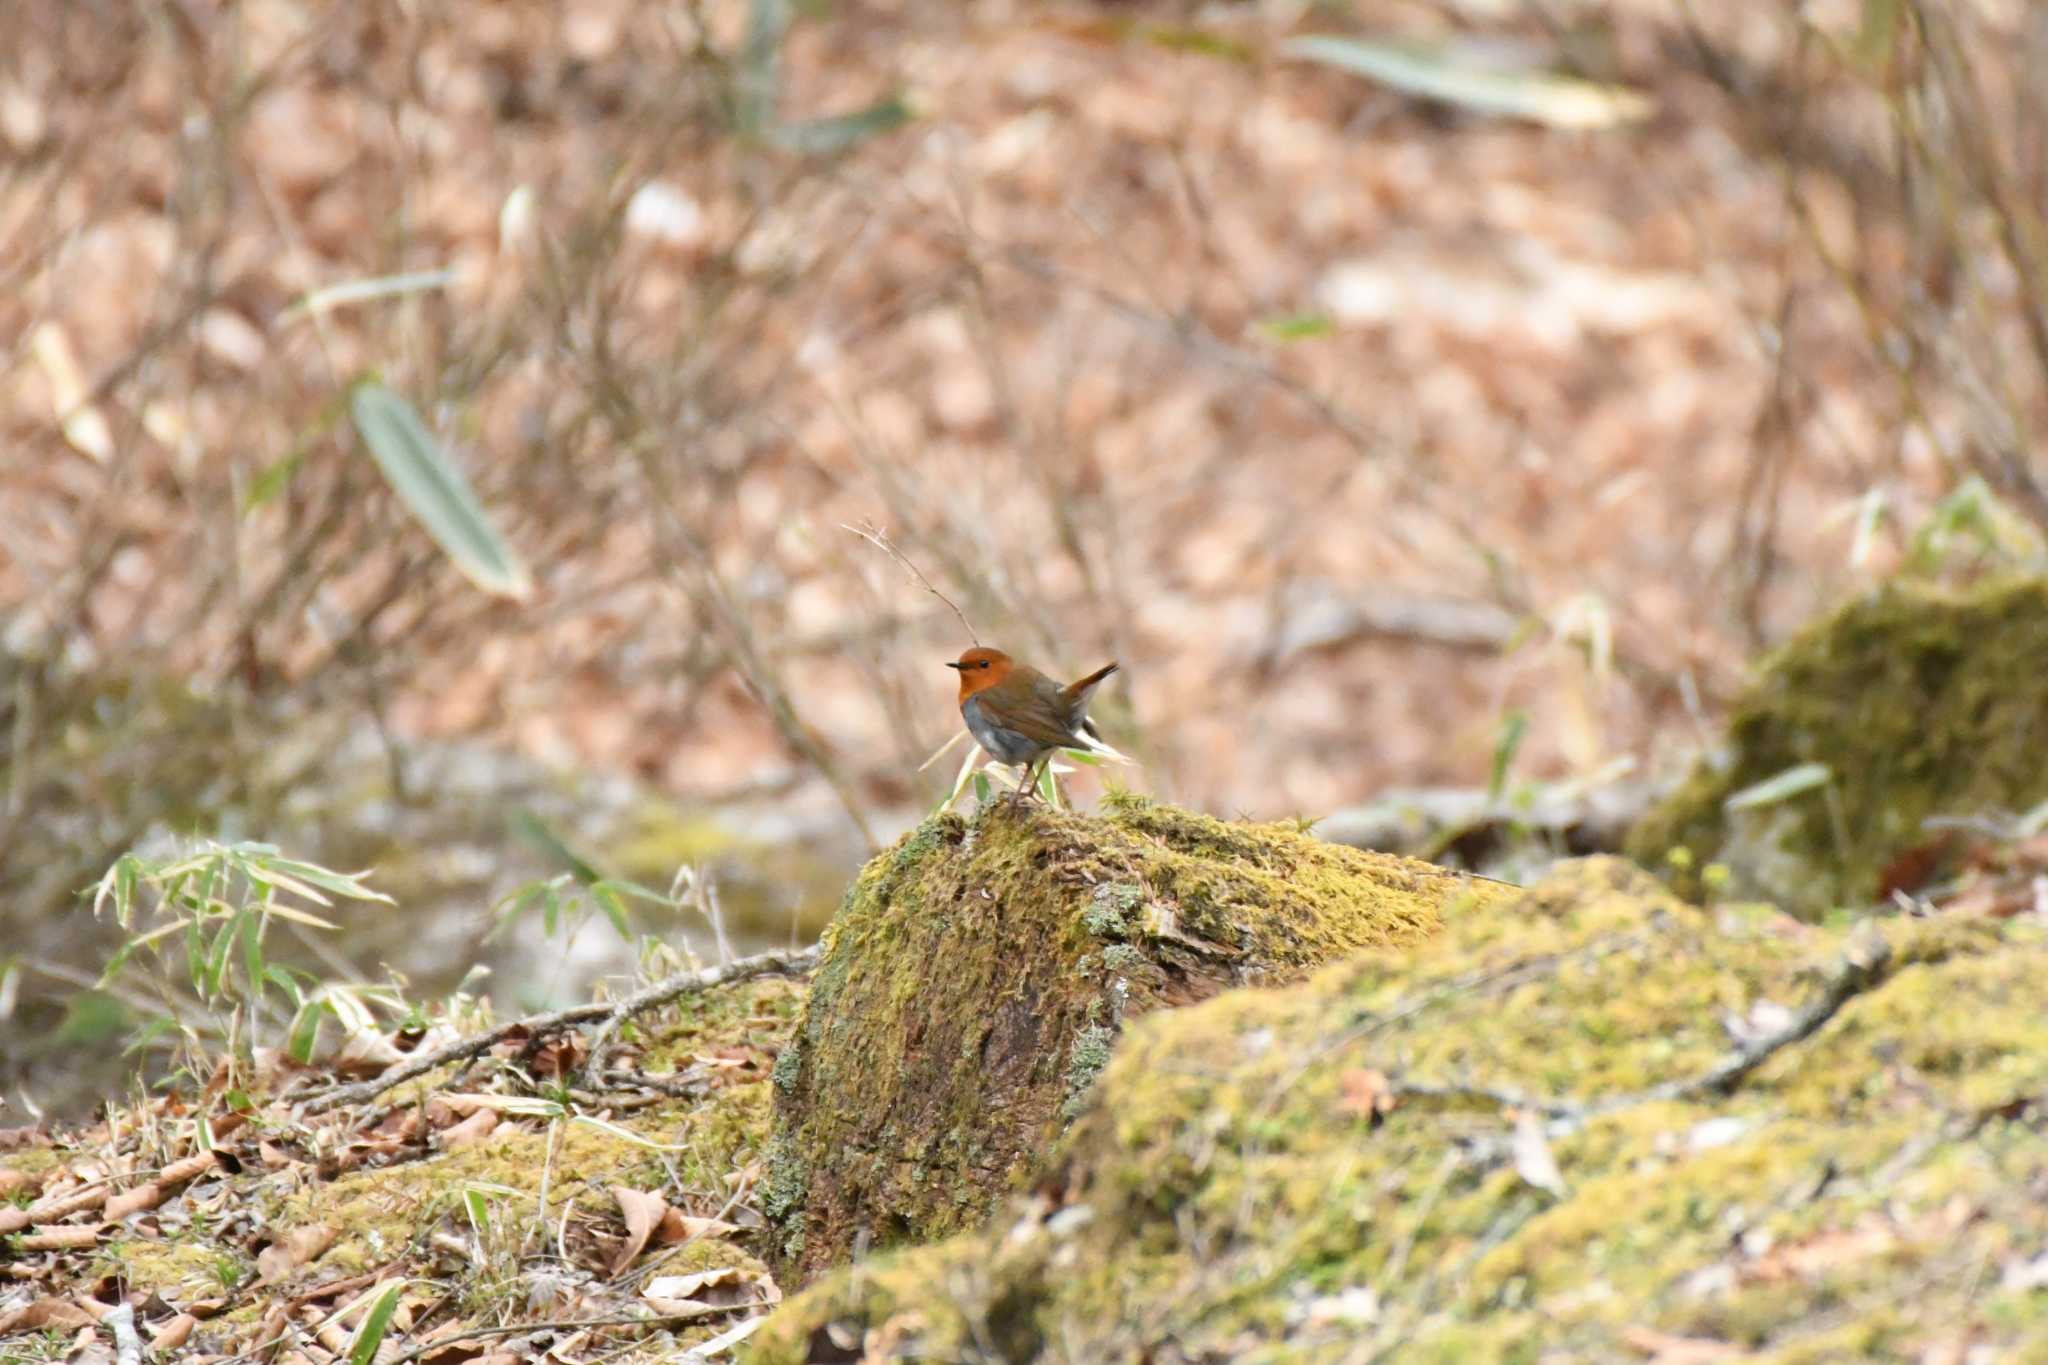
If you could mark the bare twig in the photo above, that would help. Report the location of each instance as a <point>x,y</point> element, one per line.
<point>880,540</point>
<point>660,993</point>
<point>1864,964</point>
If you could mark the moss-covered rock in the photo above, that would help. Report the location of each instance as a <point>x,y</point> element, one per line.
<point>1918,700</point>
<point>978,974</point>
<point>1241,1189</point>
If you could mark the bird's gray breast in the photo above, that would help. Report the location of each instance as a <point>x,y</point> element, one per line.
<point>1006,746</point>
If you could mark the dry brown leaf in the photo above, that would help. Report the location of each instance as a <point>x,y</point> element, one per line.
<point>61,1206</point>
<point>719,1288</point>
<point>14,1182</point>
<point>141,1197</point>
<point>178,1172</point>
<point>300,1246</point>
<point>85,428</point>
<point>1818,1255</point>
<point>677,1226</point>
<point>1665,1349</point>
<point>173,1332</point>
<point>645,1211</point>
<point>44,1314</point>
<point>1366,1094</point>
<point>58,1239</point>
<point>470,1131</point>
<point>560,1056</point>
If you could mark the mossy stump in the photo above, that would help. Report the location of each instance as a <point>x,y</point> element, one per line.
<point>978,975</point>
<point>1918,700</point>
<point>1339,1170</point>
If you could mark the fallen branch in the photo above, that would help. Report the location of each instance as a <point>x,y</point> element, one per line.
<point>540,1025</point>
<point>1864,963</point>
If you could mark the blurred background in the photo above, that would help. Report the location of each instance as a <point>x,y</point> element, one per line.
<point>1409,395</point>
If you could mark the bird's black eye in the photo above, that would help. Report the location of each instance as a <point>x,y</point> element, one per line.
<point>984,663</point>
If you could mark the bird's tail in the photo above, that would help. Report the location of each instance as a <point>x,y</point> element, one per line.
<point>1080,689</point>
<point>1085,733</point>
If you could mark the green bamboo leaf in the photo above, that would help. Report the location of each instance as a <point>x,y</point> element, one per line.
<point>252,954</point>
<point>844,132</point>
<point>981,788</point>
<point>1513,728</point>
<point>759,75</point>
<point>1446,75</point>
<point>345,884</point>
<point>1877,34</point>
<point>362,1348</point>
<point>1801,777</point>
<point>614,907</point>
<point>360,291</point>
<point>1295,326</point>
<point>479,1210</point>
<point>435,492</point>
<point>305,1032</point>
<point>533,830</point>
<point>216,969</point>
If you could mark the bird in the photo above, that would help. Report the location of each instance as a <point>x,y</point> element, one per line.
<point>1020,717</point>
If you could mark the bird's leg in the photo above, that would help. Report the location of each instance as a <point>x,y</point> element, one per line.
<point>1025,784</point>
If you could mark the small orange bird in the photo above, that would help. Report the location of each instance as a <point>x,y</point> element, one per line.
<point>1020,716</point>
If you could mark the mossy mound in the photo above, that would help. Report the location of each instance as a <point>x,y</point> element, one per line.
<point>1918,700</point>
<point>978,974</point>
<point>1319,1173</point>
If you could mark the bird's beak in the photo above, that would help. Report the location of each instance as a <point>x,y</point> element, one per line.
<point>956,665</point>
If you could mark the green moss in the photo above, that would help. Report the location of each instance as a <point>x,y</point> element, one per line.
<point>1226,1197</point>
<point>1919,701</point>
<point>972,983</point>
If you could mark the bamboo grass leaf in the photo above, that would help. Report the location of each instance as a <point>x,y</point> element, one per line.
<point>434,491</point>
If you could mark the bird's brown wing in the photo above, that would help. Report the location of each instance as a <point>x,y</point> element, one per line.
<point>1052,714</point>
<point>1041,711</point>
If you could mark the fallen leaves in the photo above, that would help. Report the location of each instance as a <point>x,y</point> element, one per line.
<point>644,1211</point>
<point>297,1248</point>
<point>1533,1159</point>
<point>709,1290</point>
<point>1366,1093</point>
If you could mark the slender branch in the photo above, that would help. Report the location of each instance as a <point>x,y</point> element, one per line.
<point>1865,963</point>
<point>881,541</point>
<point>538,1025</point>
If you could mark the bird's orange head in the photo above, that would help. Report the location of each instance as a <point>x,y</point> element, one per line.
<point>981,669</point>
